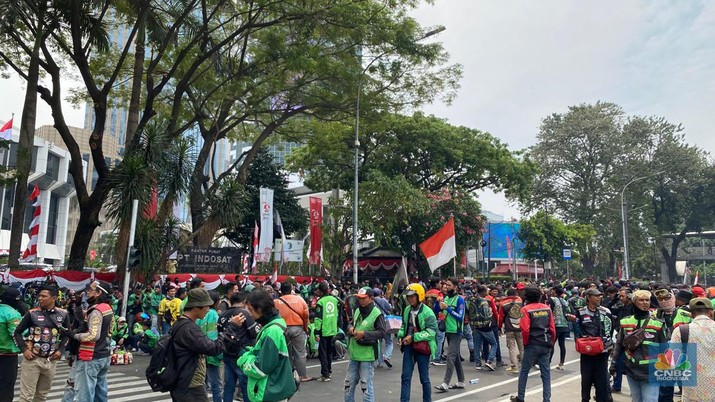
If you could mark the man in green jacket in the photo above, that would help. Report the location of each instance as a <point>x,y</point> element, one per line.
<point>9,319</point>
<point>419,325</point>
<point>365,332</point>
<point>326,327</point>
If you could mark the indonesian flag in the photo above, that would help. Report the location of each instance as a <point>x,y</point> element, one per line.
<point>245,263</point>
<point>274,277</point>
<point>31,251</point>
<point>6,131</point>
<point>441,247</point>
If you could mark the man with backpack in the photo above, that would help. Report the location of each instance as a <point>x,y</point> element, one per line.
<point>178,365</point>
<point>511,319</point>
<point>481,316</point>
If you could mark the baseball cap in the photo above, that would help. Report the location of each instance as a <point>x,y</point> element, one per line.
<point>365,292</point>
<point>698,291</point>
<point>684,296</point>
<point>701,303</point>
<point>520,286</point>
<point>593,292</point>
<point>198,297</point>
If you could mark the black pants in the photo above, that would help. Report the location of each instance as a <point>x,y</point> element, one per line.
<point>8,376</point>
<point>594,372</point>
<point>561,335</point>
<point>196,394</point>
<point>325,355</point>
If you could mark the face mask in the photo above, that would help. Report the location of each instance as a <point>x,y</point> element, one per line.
<point>451,292</point>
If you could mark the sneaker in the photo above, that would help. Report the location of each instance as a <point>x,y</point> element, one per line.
<point>387,363</point>
<point>324,379</point>
<point>490,366</point>
<point>380,366</point>
<point>479,367</point>
<point>438,363</point>
<point>560,367</point>
<point>511,369</point>
<point>516,399</point>
<point>134,350</point>
<point>502,364</point>
<point>442,387</point>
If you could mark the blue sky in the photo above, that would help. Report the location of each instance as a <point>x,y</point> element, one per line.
<point>524,60</point>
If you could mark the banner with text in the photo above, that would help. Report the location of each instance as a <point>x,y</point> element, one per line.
<point>213,260</point>
<point>316,230</point>
<point>265,245</point>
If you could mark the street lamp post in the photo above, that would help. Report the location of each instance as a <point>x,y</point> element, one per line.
<point>357,150</point>
<point>624,222</point>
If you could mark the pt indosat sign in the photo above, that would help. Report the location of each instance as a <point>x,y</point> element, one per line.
<point>211,260</point>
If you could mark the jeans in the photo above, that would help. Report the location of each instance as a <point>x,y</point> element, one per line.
<point>8,376</point>
<point>440,343</point>
<point>561,334</point>
<point>454,363</point>
<point>495,331</point>
<point>643,391</point>
<point>536,354</point>
<point>165,328</point>
<point>485,339</point>
<point>387,350</point>
<point>363,373</point>
<point>213,382</point>
<point>155,322</point>
<point>297,339</point>
<point>233,375</point>
<point>469,337</point>
<point>69,387</point>
<point>409,358</point>
<point>594,372</point>
<point>91,380</point>
<point>325,355</point>
<point>620,369</point>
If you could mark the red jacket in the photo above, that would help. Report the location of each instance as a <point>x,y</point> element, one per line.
<point>537,325</point>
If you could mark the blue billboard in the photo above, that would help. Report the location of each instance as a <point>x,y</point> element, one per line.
<point>502,241</point>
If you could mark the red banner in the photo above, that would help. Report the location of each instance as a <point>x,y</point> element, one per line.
<point>316,230</point>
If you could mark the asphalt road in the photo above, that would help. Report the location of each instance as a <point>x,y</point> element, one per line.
<point>127,383</point>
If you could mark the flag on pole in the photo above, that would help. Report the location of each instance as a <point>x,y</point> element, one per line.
<point>316,231</point>
<point>441,247</point>
<point>255,247</point>
<point>274,277</point>
<point>245,263</point>
<point>401,278</point>
<point>697,278</point>
<point>31,251</point>
<point>6,131</point>
<point>279,228</point>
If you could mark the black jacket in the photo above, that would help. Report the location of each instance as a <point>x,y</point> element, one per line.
<point>189,344</point>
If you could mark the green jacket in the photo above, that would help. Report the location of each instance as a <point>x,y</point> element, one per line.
<point>367,349</point>
<point>639,361</point>
<point>9,319</point>
<point>326,316</point>
<point>152,302</point>
<point>208,326</point>
<point>267,365</point>
<point>427,323</point>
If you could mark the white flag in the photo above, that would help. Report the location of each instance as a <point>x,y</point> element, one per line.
<point>265,245</point>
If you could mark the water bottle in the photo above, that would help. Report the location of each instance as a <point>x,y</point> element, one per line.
<point>474,381</point>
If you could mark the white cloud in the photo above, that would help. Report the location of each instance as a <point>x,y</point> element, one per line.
<point>524,60</point>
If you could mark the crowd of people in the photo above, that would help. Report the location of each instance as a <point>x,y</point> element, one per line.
<point>251,339</point>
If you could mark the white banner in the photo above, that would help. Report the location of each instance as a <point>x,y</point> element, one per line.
<point>265,245</point>
<point>293,250</point>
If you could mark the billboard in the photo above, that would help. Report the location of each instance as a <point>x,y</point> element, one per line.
<point>502,241</point>
<point>212,260</point>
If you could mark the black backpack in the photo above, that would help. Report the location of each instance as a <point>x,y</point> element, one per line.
<point>162,373</point>
<point>479,312</point>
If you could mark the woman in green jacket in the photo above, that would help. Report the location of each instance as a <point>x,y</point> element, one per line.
<point>267,366</point>
<point>419,328</point>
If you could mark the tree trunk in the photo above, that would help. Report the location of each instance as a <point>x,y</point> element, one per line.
<point>24,153</point>
<point>671,256</point>
<point>88,222</point>
<point>196,193</point>
<point>588,264</point>
<point>137,75</point>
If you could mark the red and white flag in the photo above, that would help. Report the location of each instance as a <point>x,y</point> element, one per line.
<point>441,247</point>
<point>245,263</point>
<point>6,131</point>
<point>255,248</point>
<point>274,277</point>
<point>697,278</point>
<point>31,251</point>
<point>316,230</point>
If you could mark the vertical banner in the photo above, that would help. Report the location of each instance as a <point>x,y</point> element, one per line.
<point>316,230</point>
<point>265,246</point>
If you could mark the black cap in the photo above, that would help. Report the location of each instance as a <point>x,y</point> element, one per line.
<point>684,295</point>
